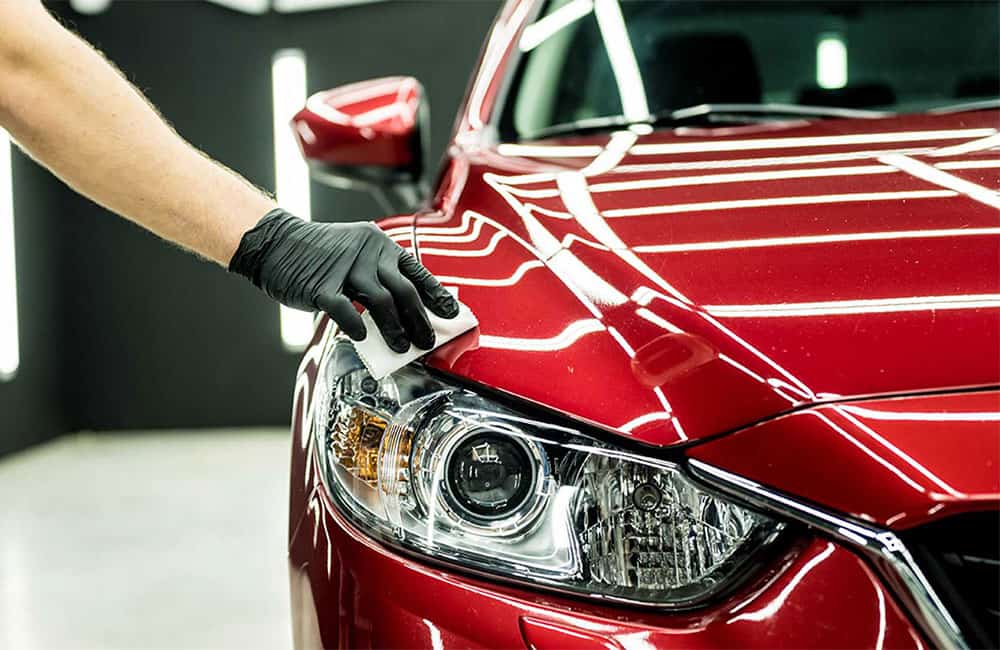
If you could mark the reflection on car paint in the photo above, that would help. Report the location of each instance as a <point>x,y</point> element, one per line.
<point>931,174</point>
<point>840,238</point>
<point>905,468</point>
<point>876,306</point>
<point>573,332</point>
<point>678,284</point>
<point>785,600</point>
<point>375,116</point>
<point>597,293</point>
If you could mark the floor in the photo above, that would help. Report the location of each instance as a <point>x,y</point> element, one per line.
<point>153,540</point>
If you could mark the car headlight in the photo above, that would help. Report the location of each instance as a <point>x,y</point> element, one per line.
<point>442,471</point>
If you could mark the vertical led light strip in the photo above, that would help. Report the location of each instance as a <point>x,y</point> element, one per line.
<point>291,182</point>
<point>10,356</point>
<point>831,61</point>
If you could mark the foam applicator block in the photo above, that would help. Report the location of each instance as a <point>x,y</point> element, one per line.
<point>381,360</point>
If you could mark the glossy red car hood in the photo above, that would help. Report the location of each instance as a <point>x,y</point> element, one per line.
<point>679,284</point>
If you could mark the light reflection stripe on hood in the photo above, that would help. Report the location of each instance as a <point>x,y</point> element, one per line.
<point>874,306</point>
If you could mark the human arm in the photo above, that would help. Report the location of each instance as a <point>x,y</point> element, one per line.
<point>74,113</point>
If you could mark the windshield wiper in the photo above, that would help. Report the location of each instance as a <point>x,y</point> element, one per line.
<point>981,105</point>
<point>708,114</point>
<point>772,110</point>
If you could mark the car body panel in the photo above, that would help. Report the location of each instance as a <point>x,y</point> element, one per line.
<point>366,124</point>
<point>709,294</point>
<point>898,462</point>
<point>814,306</point>
<point>346,588</point>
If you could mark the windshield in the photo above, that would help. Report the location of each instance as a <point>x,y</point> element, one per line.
<point>604,62</point>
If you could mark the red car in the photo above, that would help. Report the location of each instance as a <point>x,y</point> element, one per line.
<point>737,375</point>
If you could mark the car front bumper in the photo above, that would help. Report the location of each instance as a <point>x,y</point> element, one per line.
<point>349,591</point>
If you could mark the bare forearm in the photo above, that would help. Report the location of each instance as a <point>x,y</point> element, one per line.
<point>73,112</point>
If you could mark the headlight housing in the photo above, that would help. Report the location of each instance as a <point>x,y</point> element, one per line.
<point>445,472</point>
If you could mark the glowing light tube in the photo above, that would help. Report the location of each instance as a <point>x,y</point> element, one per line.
<point>291,174</point>
<point>10,357</point>
<point>831,61</point>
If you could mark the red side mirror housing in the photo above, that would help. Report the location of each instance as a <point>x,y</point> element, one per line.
<point>369,135</point>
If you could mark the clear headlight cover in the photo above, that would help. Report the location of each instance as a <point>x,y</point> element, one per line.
<point>445,472</point>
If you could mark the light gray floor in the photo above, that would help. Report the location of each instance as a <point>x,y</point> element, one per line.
<point>146,541</point>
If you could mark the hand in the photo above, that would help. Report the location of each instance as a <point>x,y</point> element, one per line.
<point>323,266</point>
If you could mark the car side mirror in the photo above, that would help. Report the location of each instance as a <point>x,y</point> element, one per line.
<point>370,135</point>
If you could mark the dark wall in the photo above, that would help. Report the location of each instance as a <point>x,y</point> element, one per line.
<point>31,406</point>
<point>149,336</point>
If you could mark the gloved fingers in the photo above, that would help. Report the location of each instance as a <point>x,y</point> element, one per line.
<point>342,311</point>
<point>364,285</point>
<point>408,304</point>
<point>436,297</point>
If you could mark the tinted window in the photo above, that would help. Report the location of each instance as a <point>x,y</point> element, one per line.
<point>586,59</point>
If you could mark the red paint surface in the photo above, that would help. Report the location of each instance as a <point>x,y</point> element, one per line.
<point>875,280</point>
<point>779,290</point>
<point>349,592</point>
<point>896,462</point>
<point>371,123</point>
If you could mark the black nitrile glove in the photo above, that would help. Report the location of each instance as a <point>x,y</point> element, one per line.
<point>323,266</point>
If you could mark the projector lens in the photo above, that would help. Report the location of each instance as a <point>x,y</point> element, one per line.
<point>490,476</point>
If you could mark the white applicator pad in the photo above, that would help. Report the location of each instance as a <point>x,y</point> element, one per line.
<point>381,360</point>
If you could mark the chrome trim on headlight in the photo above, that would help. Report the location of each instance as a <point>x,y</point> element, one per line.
<point>879,545</point>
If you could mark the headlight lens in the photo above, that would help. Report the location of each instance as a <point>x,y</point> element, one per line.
<point>445,472</point>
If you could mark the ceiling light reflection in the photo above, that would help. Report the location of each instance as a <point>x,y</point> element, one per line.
<point>573,333</point>
<point>808,141</point>
<point>869,306</point>
<point>617,336</point>
<point>766,162</point>
<point>540,31</point>
<point>623,63</point>
<point>968,164</point>
<point>488,282</point>
<point>614,151</point>
<point>542,151</point>
<point>923,416</point>
<point>933,175</point>
<point>741,177</point>
<point>902,455</point>
<point>663,323</point>
<point>711,179</point>
<point>463,252</point>
<point>988,142</point>
<point>769,242</point>
<point>771,608</point>
<point>576,197</point>
<point>778,201</point>
<point>634,424</point>
<point>874,455</point>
